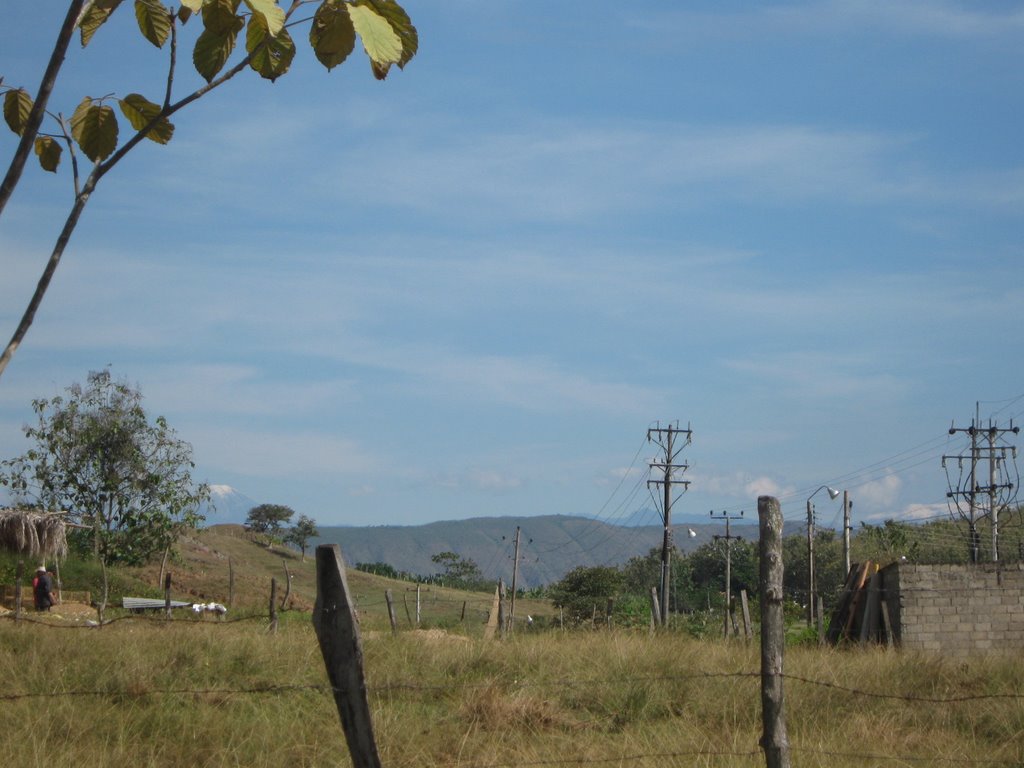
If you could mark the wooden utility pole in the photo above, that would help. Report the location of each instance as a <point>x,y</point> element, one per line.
<point>334,619</point>
<point>515,578</point>
<point>812,583</point>
<point>728,563</point>
<point>774,740</point>
<point>665,438</point>
<point>847,504</point>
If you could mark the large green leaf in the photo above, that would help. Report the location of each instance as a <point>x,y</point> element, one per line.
<point>94,127</point>
<point>193,5</point>
<point>271,56</point>
<point>402,25</point>
<point>48,151</point>
<point>221,17</point>
<point>17,105</point>
<point>211,52</point>
<point>380,41</point>
<point>331,34</point>
<point>94,17</point>
<point>271,14</point>
<point>154,21</point>
<point>141,112</point>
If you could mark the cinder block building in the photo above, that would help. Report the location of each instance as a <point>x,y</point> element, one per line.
<point>956,610</point>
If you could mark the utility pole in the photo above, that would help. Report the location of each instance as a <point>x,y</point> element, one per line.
<point>665,437</point>
<point>812,584</point>
<point>847,505</point>
<point>515,578</point>
<point>997,456</point>
<point>728,562</point>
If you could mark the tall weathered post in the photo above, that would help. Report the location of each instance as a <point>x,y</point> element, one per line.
<point>773,634</point>
<point>334,619</point>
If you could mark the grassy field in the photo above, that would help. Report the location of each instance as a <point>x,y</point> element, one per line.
<point>203,693</point>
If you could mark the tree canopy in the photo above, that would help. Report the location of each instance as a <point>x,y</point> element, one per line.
<point>300,533</point>
<point>97,456</point>
<point>268,518</point>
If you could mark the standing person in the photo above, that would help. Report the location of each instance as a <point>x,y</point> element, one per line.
<point>43,590</point>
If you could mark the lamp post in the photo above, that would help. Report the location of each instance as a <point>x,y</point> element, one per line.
<point>811,585</point>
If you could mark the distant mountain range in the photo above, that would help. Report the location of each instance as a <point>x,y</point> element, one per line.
<point>549,547</point>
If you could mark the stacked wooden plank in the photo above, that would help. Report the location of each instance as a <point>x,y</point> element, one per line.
<point>861,614</point>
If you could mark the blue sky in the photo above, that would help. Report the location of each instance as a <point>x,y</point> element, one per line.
<point>470,290</point>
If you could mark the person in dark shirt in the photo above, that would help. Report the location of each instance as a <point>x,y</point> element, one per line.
<point>44,590</point>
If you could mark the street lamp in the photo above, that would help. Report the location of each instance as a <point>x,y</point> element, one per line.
<point>811,585</point>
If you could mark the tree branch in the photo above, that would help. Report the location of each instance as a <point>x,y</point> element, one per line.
<point>35,117</point>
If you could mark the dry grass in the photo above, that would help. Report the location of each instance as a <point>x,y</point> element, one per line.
<point>194,693</point>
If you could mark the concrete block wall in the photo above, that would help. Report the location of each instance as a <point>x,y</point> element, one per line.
<point>956,610</point>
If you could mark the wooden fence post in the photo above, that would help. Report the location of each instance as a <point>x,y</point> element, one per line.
<point>608,611</point>
<point>655,609</point>
<point>231,583</point>
<point>418,609</point>
<point>167,595</point>
<point>19,574</point>
<point>287,585</point>
<point>334,619</point>
<point>502,618</point>
<point>748,630</point>
<point>390,599</point>
<point>405,602</point>
<point>774,740</point>
<point>492,619</point>
<point>821,620</point>
<point>273,605</point>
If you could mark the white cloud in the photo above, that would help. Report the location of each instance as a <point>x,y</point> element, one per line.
<point>280,454</point>
<point>740,484</point>
<point>883,492</point>
<point>488,480</point>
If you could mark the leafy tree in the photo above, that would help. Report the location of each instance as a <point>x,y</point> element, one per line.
<point>458,571</point>
<point>268,518</point>
<point>887,542</point>
<point>300,533</point>
<point>643,572</point>
<point>386,32</point>
<point>584,588</point>
<point>708,564</point>
<point>97,456</point>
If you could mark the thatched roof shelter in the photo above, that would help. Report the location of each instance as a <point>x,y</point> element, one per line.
<point>34,533</point>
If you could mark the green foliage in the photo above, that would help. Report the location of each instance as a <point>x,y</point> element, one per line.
<point>584,589</point>
<point>97,456</point>
<point>300,534</point>
<point>379,569</point>
<point>268,518</point>
<point>385,29</point>
<point>459,572</point>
